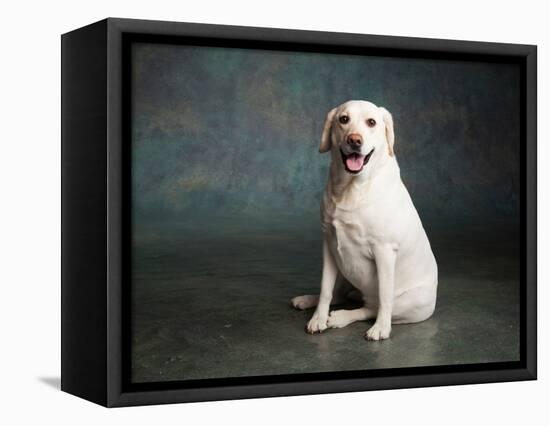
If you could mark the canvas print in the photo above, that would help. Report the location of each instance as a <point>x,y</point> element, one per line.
<point>306,212</point>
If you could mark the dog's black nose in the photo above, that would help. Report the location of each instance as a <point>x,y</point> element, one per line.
<point>354,140</point>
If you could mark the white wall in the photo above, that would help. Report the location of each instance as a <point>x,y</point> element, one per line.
<point>29,237</point>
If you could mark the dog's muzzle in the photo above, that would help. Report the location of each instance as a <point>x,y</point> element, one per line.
<point>355,161</point>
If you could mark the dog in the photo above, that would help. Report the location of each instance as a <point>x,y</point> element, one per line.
<point>373,236</point>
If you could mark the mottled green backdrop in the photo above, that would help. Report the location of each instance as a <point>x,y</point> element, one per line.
<point>235,132</point>
<point>226,186</point>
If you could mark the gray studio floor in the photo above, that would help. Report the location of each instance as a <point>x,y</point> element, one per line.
<point>216,304</point>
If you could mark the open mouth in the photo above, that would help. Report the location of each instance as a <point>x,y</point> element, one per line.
<point>355,162</point>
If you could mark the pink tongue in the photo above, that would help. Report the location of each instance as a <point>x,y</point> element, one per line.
<point>355,162</point>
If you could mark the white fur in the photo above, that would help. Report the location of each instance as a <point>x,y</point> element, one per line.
<point>373,236</point>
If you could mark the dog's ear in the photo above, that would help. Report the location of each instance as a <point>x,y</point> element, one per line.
<point>326,141</point>
<point>390,135</point>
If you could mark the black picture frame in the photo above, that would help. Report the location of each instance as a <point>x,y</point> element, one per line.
<point>96,201</point>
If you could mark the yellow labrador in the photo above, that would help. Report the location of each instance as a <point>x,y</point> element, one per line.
<point>373,236</point>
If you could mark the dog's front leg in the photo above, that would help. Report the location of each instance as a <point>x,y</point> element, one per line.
<point>319,319</point>
<point>384,257</point>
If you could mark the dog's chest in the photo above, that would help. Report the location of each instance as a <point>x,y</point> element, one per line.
<point>349,234</point>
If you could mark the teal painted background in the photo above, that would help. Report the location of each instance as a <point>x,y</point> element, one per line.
<point>227,181</point>
<point>222,133</point>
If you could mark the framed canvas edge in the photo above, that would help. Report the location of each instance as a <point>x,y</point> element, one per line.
<point>117,396</point>
<point>83,213</point>
<point>316,387</point>
<point>531,208</point>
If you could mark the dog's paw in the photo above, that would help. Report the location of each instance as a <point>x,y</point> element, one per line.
<point>338,319</point>
<point>317,323</point>
<point>378,332</point>
<point>304,302</point>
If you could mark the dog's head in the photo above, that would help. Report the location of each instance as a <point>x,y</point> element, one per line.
<point>357,131</point>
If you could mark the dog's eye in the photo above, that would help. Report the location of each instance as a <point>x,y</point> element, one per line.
<point>344,119</point>
<point>371,122</point>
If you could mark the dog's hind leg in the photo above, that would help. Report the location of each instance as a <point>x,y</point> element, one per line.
<point>414,305</point>
<point>305,301</point>
<point>343,317</point>
<point>341,291</point>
